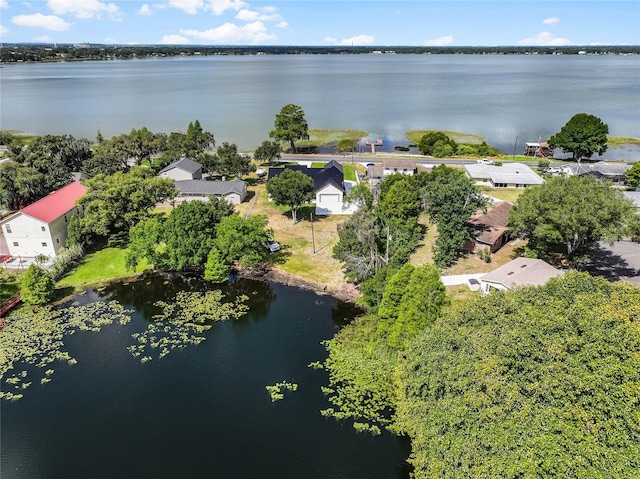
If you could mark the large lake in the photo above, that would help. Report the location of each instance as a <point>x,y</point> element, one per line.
<point>505,98</point>
<point>200,412</point>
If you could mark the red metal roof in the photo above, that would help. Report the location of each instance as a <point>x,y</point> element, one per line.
<point>55,204</point>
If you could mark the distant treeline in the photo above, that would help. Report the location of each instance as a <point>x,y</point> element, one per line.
<point>14,53</point>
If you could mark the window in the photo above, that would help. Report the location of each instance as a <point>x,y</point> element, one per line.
<point>15,243</point>
<point>8,227</point>
<point>43,228</point>
<point>44,245</point>
<point>500,185</point>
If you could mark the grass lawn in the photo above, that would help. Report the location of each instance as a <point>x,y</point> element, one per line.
<point>320,137</point>
<point>505,194</point>
<point>100,266</point>
<point>297,256</point>
<point>620,141</point>
<point>10,285</point>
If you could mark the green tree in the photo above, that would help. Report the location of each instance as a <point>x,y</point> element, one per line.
<point>450,198</point>
<point>429,140</point>
<point>571,212</point>
<point>241,241</point>
<point>633,175</point>
<point>268,153</point>
<point>290,125</point>
<point>144,242</point>
<point>109,157</point>
<point>190,231</point>
<point>400,201</point>
<point>229,162</point>
<point>359,195</point>
<point>20,185</point>
<point>583,135</point>
<point>216,269</point>
<point>291,188</point>
<point>37,286</point>
<point>535,382</point>
<point>115,203</point>
<point>56,157</point>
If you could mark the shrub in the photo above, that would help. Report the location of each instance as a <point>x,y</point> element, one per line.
<point>37,286</point>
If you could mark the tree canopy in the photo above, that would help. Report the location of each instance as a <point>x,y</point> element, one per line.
<point>117,202</point>
<point>291,188</point>
<point>633,175</point>
<point>267,153</point>
<point>433,144</point>
<point>290,125</point>
<point>227,161</point>
<point>535,382</point>
<point>583,135</point>
<point>37,286</point>
<point>571,212</point>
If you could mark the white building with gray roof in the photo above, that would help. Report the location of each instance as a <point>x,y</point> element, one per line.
<point>233,192</point>
<point>509,175</point>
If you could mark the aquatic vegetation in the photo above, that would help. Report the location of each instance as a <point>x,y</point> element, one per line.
<point>34,336</point>
<point>183,322</point>
<point>275,391</point>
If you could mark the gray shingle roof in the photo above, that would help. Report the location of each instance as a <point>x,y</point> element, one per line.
<point>523,272</point>
<point>206,188</point>
<point>185,164</point>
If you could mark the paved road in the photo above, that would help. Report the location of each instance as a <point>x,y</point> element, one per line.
<point>378,157</point>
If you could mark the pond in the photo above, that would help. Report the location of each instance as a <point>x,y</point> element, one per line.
<point>201,411</point>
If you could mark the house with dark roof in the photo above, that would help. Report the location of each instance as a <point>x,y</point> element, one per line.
<point>183,169</point>
<point>517,273</point>
<point>490,229</point>
<point>328,183</point>
<point>41,227</point>
<point>233,192</point>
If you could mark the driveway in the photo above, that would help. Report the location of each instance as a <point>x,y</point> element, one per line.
<point>620,261</point>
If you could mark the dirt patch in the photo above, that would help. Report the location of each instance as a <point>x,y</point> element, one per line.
<point>344,292</point>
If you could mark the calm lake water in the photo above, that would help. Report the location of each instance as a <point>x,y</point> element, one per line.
<point>200,412</point>
<point>503,98</point>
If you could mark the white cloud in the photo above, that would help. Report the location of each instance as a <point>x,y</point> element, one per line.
<point>109,40</point>
<point>38,20</point>
<point>43,39</point>
<point>331,39</point>
<point>85,9</point>
<point>218,7</point>
<point>145,10</point>
<point>544,39</point>
<point>551,20</point>
<point>173,40</point>
<point>282,24</point>
<point>189,6</point>
<point>4,4</point>
<point>265,14</point>
<point>4,31</point>
<point>230,33</point>
<point>439,41</point>
<point>358,40</point>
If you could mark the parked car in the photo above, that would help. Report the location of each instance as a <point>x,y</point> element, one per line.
<point>484,161</point>
<point>272,245</point>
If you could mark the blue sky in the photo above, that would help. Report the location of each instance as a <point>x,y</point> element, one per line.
<point>323,22</point>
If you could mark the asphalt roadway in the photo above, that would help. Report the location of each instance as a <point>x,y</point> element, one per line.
<point>378,157</point>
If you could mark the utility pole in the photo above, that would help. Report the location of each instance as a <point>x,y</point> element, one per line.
<point>313,238</point>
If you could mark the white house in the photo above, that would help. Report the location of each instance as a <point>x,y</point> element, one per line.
<point>519,272</point>
<point>183,169</point>
<point>41,228</point>
<point>328,183</point>
<point>509,175</point>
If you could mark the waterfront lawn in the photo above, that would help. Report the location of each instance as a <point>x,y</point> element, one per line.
<point>320,137</point>
<point>348,169</point>
<point>10,284</point>
<point>102,265</point>
<point>620,141</point>
<point>297,256</point>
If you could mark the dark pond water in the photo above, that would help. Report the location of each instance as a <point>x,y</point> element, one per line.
<point>199,412</point>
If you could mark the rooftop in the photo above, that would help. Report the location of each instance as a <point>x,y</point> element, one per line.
<point>185,164</point>
<point>523,272</point>
<point>205,187</point>
<point>55,204</point>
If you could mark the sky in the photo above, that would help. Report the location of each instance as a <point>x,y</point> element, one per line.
<point>323,22</point>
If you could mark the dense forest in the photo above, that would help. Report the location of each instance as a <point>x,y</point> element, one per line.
<point>14,53</point>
